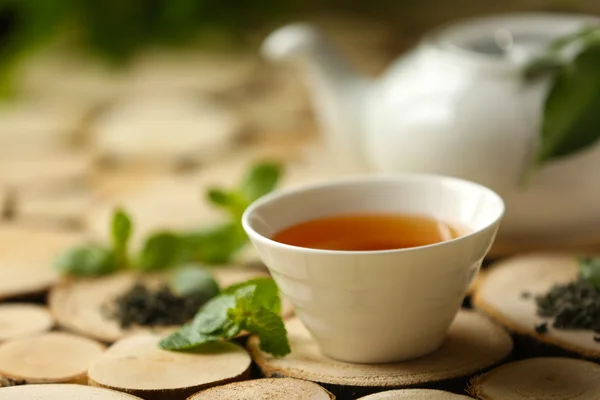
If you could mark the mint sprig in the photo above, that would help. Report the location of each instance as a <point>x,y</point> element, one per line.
<point>260,180</point>
<point>252,306</point>
<point>164,250</point>
<point>95,259</point>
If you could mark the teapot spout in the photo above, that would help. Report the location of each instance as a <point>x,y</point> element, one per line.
<point>338,92</point>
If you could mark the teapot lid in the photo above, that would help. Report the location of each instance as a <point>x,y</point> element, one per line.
<point>504,39</point>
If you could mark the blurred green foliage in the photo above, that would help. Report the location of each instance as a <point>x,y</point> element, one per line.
<point>117,29</point>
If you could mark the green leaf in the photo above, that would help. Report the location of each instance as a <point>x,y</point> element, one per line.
<point>230,330</point>
<point>213,316</point>
<point>232,202</point>
<point>261,179</point>
<point>187,338</point>
<point>587,36</point>
<point>193,279</point>
<point>160,251</point>
<point>271,330</point>
<point>590,270</point>
<point>211,323</point>
<point>216,245</point>
<point>571,119</point>
<point>261,293</point>
<point>90,260</point>
<point>121,232</point>
<point>219,197</point>
<point>543,66</point>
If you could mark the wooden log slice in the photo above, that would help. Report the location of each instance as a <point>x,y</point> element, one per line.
<point>501,290</point>
<point>72,75</point>
<point>570,242</point>
<point>415,394</point>
<point>134,128</point>
<point>136,365</point>
<point>51,209</point>
<point>26,259</point>
<point>147,204</point>
<point>540,378</point>
<point>82,305</point>
<point>474,343</point>
<point>6,202</point>
<point>22,319</point>
<point>52,357</point>
<point>266,389</point>
<point>55,169</point>
<point>34,128</point>
<point>160,72</point>
<point>52,391</point>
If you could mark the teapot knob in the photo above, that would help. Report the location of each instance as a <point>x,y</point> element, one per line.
<point>289,40</point>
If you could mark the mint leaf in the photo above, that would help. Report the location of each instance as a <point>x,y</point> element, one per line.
<point>216,245</point>
<point>90,260</point>
<point>587,36</point>
<point>213,316</point>
<point>590,270</point>
<point>186,338</point>
<point>219,197</point>
<point>570,121</point>
<point>210,324</point>
<point>160,251</point>
<point>261,292</point>
<point>271,331</point>
<point>231,330</point>
<point>257,310</point>
<point>121,232</point>
<point>193,279</point>
<point>232,202</point>
<point>261,179</point>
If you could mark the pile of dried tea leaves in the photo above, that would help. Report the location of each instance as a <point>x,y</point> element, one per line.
<point>143,306</point>
<point>6,382</point>
<point>575,305</point>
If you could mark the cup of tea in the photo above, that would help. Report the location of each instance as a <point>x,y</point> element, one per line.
<point>376,267</point>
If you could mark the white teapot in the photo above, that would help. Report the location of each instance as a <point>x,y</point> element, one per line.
<point>456,105</point>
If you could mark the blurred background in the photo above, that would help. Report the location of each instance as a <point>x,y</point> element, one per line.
<point>142,103</point>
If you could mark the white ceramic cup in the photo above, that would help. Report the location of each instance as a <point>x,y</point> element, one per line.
<point>377,306</point>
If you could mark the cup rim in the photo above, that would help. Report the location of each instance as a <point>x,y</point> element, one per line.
<point>395,178</point>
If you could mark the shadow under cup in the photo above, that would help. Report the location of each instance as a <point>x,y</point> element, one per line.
<point>377,306</point>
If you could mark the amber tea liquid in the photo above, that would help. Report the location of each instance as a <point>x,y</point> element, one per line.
<point>367,232</point>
